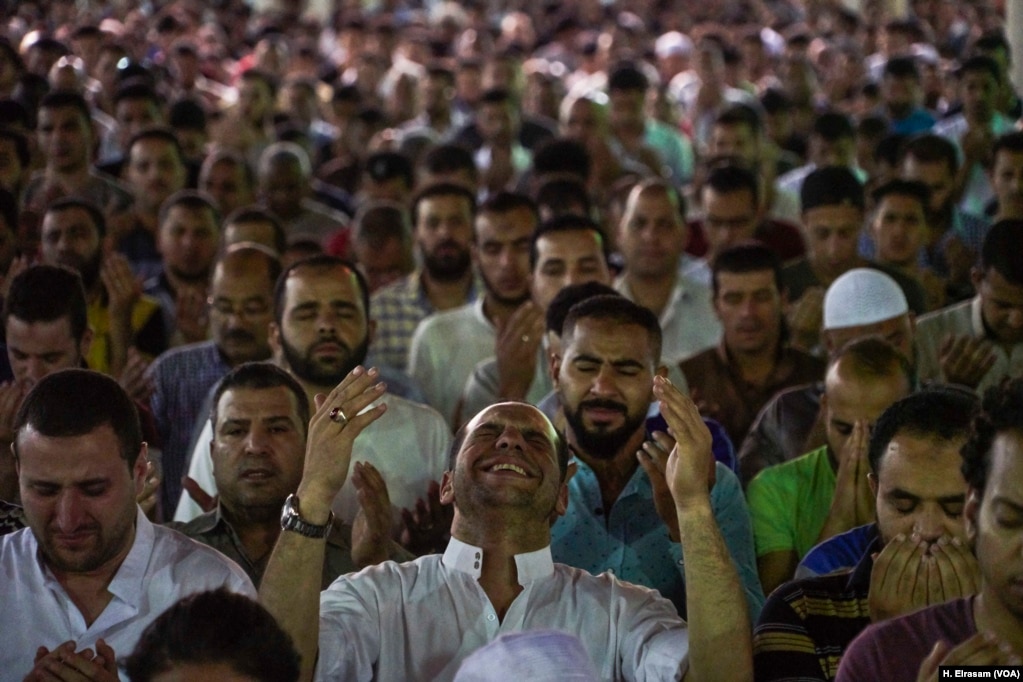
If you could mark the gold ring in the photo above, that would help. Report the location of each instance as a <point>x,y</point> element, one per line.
<point>337,416</point>
<point>525,338</point>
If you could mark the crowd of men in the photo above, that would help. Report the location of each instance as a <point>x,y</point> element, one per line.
<point>464,341</point>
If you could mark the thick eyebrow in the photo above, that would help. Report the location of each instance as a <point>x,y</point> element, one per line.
<point>900,494</point>
<point>1013,506</point>
<point>618,364</point>
<point>77,484</point>
<point>279,419</point>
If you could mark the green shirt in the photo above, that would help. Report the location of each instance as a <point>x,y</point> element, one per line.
<point>789,502</point>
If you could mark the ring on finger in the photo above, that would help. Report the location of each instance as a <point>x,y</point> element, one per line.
<point>337,416</point>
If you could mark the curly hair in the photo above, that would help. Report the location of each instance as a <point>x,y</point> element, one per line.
<point>1002,410</point>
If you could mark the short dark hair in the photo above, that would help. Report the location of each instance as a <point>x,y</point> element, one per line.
<point>1001,251</point>
<point>257,214</point>
<point>833,126</point>
<point>930,148</point>
<point>448,158</point>
<point>903,188</point>
<point>232,157</point>
<point>992,41</point>
<point>557,309</point>
<point>215,627</point>
<point>741,115</point>
<point>160,133</point>
<point>733,178</point>
<point>562,155</point>
<point>190,200</point>
<point>506,202</point>
<point>99,401</point>
<point>187,114</point>
<point>442,189</point>
<point>939,412</point>
<point>495,96</point>
<point>628,77</point>
<point>902,67</point>
<point>747,257</point>
<point>380,222</point>
<point>60,99</point>
<point>44,293</point>
<point>561,193</point>
<point>619,310</point>
<point>261,375</point>
<point>321,262</point>
<point>1002,411</point>
<point>137,88</point>
<point>93,211</point>
<point>1009,142</point>
<point>568,222</point>
<point>981,64</point>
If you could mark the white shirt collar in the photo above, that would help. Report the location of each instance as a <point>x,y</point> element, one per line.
<point>466,558</point>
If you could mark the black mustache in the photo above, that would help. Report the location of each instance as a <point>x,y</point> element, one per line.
<point>604,404</point>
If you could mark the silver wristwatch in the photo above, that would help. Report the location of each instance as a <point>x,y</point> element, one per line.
<point>291,519</point>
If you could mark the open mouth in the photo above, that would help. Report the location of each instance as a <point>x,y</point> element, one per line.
<point>508,466</point>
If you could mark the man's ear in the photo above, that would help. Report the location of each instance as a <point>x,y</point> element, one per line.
<point>447,488</point>
<point>85,343</point>
<point>555,369</point>
<point>976,277</point>
<point>274,338</point>
<point>562,504</point>
<point>371,331</point>
<point>872,480</point>
<point>138,472</point>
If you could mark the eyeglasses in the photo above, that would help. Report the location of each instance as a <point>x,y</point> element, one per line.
<point>250,308</point>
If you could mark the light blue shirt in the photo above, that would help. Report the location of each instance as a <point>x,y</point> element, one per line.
<point>631,541</point>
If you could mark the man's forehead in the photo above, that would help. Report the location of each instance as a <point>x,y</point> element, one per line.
<point>335,284</point>
<point>612,340</point>
<point>246,402</point>
<point>557,243</point>
<point>71,216</point>
<point>516,414</point>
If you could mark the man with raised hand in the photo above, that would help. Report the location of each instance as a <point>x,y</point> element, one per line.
<point>507,483</point>
<point>260,416</point>
<point>620,517</point>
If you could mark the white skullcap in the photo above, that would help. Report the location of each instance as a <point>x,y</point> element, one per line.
<point>862,296</point>
<point>536,655</point>
<point>673,43</point>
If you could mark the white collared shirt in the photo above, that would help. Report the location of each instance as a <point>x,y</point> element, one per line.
<point>688,322</point>
<point>419,620</point>
<point>445,349</point>
<point>962,319</point>
<point>161,567</point>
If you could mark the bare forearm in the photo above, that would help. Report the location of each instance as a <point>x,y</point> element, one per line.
<point>291,589</point>
<point>715,601</point>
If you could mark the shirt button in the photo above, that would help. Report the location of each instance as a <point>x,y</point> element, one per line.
<point>611,571</point>
<point>491,616</point>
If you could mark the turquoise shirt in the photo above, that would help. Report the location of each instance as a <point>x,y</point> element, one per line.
<point>631,541</point>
